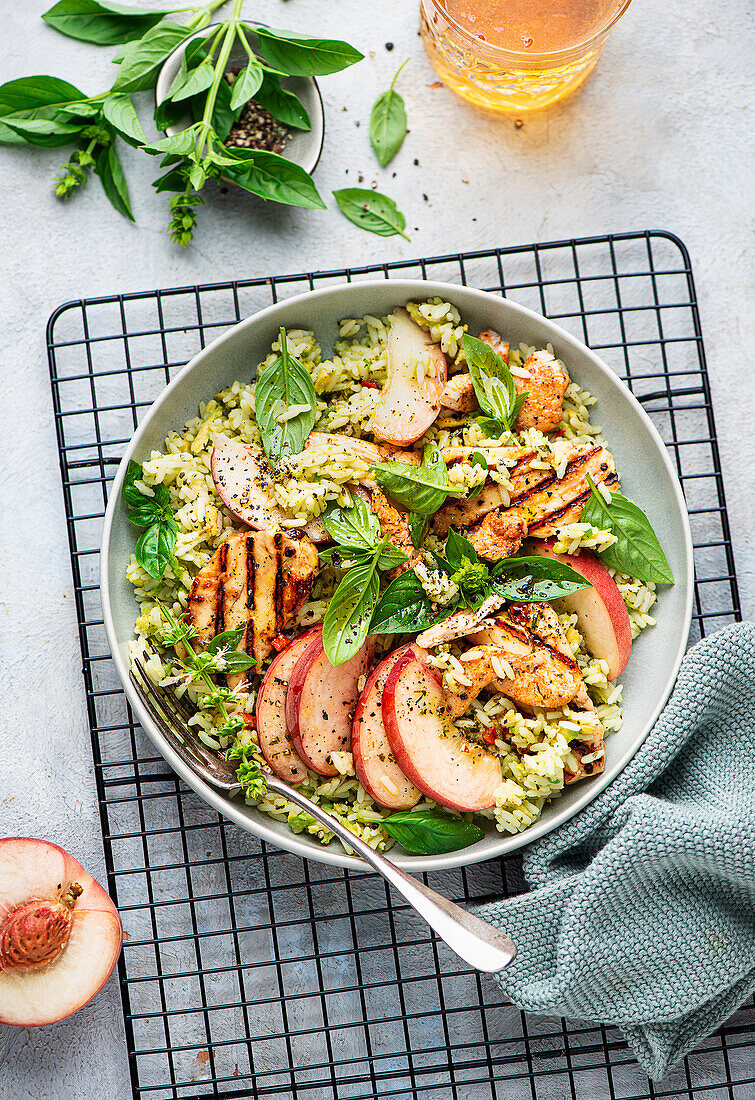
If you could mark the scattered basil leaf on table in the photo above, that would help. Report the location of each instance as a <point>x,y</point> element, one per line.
<point>101,22</point>
<point>371,211</point>
<point>493,385</point>
<point>427,833</point>
<point>155,546</point>
<point>347,620</point>
<point>424,489</point>
<point>304,55</point>
<point>388,122</point>
<point>637,550</point>
<point>281,103</point>
<point>283,385</point>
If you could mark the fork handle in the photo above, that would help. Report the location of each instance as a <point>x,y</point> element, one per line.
<point>476,942</point>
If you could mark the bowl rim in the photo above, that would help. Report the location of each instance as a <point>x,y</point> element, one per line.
<point>332,854</point>
<point>179,50</point>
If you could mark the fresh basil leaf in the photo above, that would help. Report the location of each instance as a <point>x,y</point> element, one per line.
<point>145,514</point>
<point>493,382</point>
<point>388,123</point>
<point>477,459</point>
<point>390,557</point>
<point>274,177</point>
<point>418,525</point>
<point>304,55</point>
<point>282,104</point>
<point>120,113</point>
<point>371,211</point>
<point>100,22</point>
<point>428,833</point>
<point>458,549</point>
<point>110,170</point>
<point>637,550</point>
<point>237,661</point>
<point>347,620</point>
<point>230,638</point>
<point>140,61</point>
<point>405,608</point>
<point>356,526</point>
<point>535,579</point>
<point>179,144</point>
<point>30,93</point>
<point>154,549</point>
<point>45,131</point>
<point>492,428</point>
<point>129,491</point>
<point>192,82</point>
<point>424,488</point>
<point>174,180</point>
<point>345,557</point>
<point>283,383</point>
<point>246,83</point>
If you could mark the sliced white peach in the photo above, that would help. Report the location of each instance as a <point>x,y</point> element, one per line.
<point>60,934</point>
<point>272,731</point>
<point>374,763</point>
<point>602,615</point>
<point>243,478</point>
<point>411,398</point>
<point>427,746</point>
<point>320,704</point>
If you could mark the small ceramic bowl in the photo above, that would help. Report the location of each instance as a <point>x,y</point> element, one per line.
<point>303,146</point>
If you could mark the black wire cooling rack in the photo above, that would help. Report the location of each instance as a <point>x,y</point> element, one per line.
<point>246,971</point>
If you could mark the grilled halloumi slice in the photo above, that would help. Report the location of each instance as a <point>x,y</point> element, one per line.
<point>530,639</point>
<point>552,502</point>
<point>255,580</point>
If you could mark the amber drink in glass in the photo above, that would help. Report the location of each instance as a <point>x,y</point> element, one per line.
<point>516,55</point>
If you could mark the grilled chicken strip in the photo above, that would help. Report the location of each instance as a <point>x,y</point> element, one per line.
<point>499,535</point>
<point>395,525</point>
<point>545,384</point>
<point>530,638</point>
<point>255,580</point>
<point>458,394</point>
<point>547,502</point>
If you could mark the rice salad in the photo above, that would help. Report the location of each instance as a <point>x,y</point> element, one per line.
<point>534,744</point>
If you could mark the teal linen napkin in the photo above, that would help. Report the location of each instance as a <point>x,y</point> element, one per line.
<point>643,912</point>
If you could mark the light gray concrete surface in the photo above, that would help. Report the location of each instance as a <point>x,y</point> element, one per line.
<point>661,136</point>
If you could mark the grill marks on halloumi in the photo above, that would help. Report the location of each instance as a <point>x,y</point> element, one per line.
<point>256,580</point>
<point>552,501</point>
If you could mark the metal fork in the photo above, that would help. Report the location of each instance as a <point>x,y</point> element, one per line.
<point>476,942</point>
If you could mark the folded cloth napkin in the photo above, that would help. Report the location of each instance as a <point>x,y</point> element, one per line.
<point>643,914</point>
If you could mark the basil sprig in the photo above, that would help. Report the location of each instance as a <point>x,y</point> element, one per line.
<point>637,550</point>
<point>364,553</point>
<point>423,488</point>
<point>428,833</point>
<point>405,608</point>
<point>494,387</point>
<point>282,384</point>
<point>388,122</point>
<point>155,546</point>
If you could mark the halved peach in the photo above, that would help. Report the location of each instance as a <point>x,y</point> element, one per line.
<point>320,703</point>
<point>602,615</point>
<point>410,400</point>
<point>427,746</point>
<point>374,763</point>
<point>60,934</point>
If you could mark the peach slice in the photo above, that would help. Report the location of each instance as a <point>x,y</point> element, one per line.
<point>320,703</point>
<point>602,615</point>
<point>272,731</point>
<point>60,934</point>
<point>410,401</point>
<point>374,763</point>
<point>242,475</point>
<point>427,746</point>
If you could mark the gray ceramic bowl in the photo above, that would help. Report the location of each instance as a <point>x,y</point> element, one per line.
<point>303,146</point>
<point>641,457</point>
